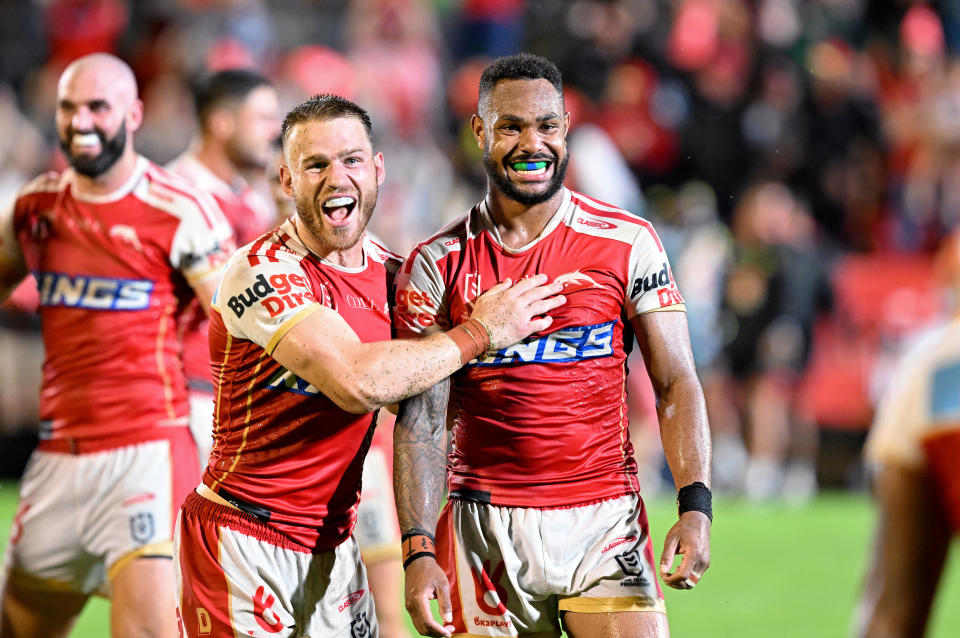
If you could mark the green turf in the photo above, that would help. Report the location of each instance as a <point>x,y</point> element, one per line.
<point>777,571</point>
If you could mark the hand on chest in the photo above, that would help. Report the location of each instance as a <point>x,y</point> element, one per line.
<point>593,292</point>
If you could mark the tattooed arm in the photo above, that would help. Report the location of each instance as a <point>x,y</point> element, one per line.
<point>419,474</point>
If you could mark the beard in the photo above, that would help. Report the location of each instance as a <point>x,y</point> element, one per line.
<point>511,190</point>
<point>248,159</point>
<point>111,150</point>
<point>336,238</point>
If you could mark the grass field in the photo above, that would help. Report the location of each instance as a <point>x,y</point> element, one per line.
<point>777,571</point>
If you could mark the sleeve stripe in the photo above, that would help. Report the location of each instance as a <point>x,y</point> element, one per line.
<point>652,232</point>
<point>252,257</point>
<point>162,181</point>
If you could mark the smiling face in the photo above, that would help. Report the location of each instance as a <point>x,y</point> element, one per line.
<point>332,174</point>
<point>97,113</point>
<point>522,130</point>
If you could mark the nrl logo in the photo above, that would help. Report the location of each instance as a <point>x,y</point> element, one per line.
<point>141,527</point>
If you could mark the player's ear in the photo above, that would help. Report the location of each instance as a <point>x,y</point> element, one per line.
<point>378,163</point>
<point>135,116</point>
<point>286,179</point>
<point>566,123</point>
<point>479,134</point>
<point>220,123</point>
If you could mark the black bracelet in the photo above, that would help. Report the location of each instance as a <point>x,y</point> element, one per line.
<point>417,532</point>
<point>413,557</point>
<point>695,497</point>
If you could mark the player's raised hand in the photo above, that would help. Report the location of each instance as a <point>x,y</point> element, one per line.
<point>690,537</point>
<point>424,582</point>
<point>511,312</point>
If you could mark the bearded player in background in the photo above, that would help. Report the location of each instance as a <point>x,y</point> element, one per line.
<point>117,246</point>
<point>239,121</point>
<point>544,522</point>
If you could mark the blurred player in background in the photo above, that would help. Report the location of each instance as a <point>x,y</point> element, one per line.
<point>239,122</point>
<point>300,339</point>
<point>914,451</point>
<point>117,246</point>
<point>544,517</point>
<point>377,531</point>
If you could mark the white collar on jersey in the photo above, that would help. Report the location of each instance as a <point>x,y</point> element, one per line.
<point>138,170</point>
<point>558,216</point>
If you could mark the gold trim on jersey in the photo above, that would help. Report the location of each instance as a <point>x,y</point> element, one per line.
<point>163,548</point>
<point>246,422</point>
<point>161,368</point>
<point>288,325</point>
<point>677,307</point>
<point>223,368</point>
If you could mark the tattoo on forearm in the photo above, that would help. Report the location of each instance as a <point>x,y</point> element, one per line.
<point>419,469</point>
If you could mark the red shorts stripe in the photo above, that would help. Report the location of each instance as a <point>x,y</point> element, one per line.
<point>204,605</point>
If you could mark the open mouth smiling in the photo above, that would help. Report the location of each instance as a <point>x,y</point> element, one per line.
<point>339,209</point>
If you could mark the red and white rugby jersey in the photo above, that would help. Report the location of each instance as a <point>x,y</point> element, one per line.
<point>918,421</point>
<point>250,215</point>
<point>113,273</point>
<point>543,423</point>
<point>279,443</point>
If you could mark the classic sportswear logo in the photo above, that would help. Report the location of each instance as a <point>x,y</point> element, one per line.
<point>276,295</point>
<point>93,293</point>
<point>573,343</point>
<point>595,223</point>
<point>349,599</point>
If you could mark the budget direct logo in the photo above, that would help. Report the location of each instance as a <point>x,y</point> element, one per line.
<point>277,294</point>
<point>662,282</point>
<point>93,293</point>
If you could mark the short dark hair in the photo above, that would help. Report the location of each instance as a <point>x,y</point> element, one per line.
<point>324,106</point>
<point>224,87</point>
<point>522,66</point>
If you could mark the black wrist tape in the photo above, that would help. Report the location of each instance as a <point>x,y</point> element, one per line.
<point>413,557</point>
<point>695,497</point>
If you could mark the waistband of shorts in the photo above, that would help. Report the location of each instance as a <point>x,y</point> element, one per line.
<point>71,445</point>
<point>483,498</point>
<point>239,521</point>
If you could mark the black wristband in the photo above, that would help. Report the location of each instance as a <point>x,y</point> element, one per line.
<point>417,532</point>
<point>413,557</point>
<point>695,497</point>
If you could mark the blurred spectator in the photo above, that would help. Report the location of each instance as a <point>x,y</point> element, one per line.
<point>773,292</point>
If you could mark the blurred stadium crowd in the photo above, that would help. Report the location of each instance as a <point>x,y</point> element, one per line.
<point>799,158</point>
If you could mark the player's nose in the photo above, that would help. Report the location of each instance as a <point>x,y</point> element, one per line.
<point>82,119</point>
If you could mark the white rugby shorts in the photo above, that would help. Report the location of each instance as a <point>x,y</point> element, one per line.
<point>513,570</point>
<point>83,516</point>
<point>236,576</point>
